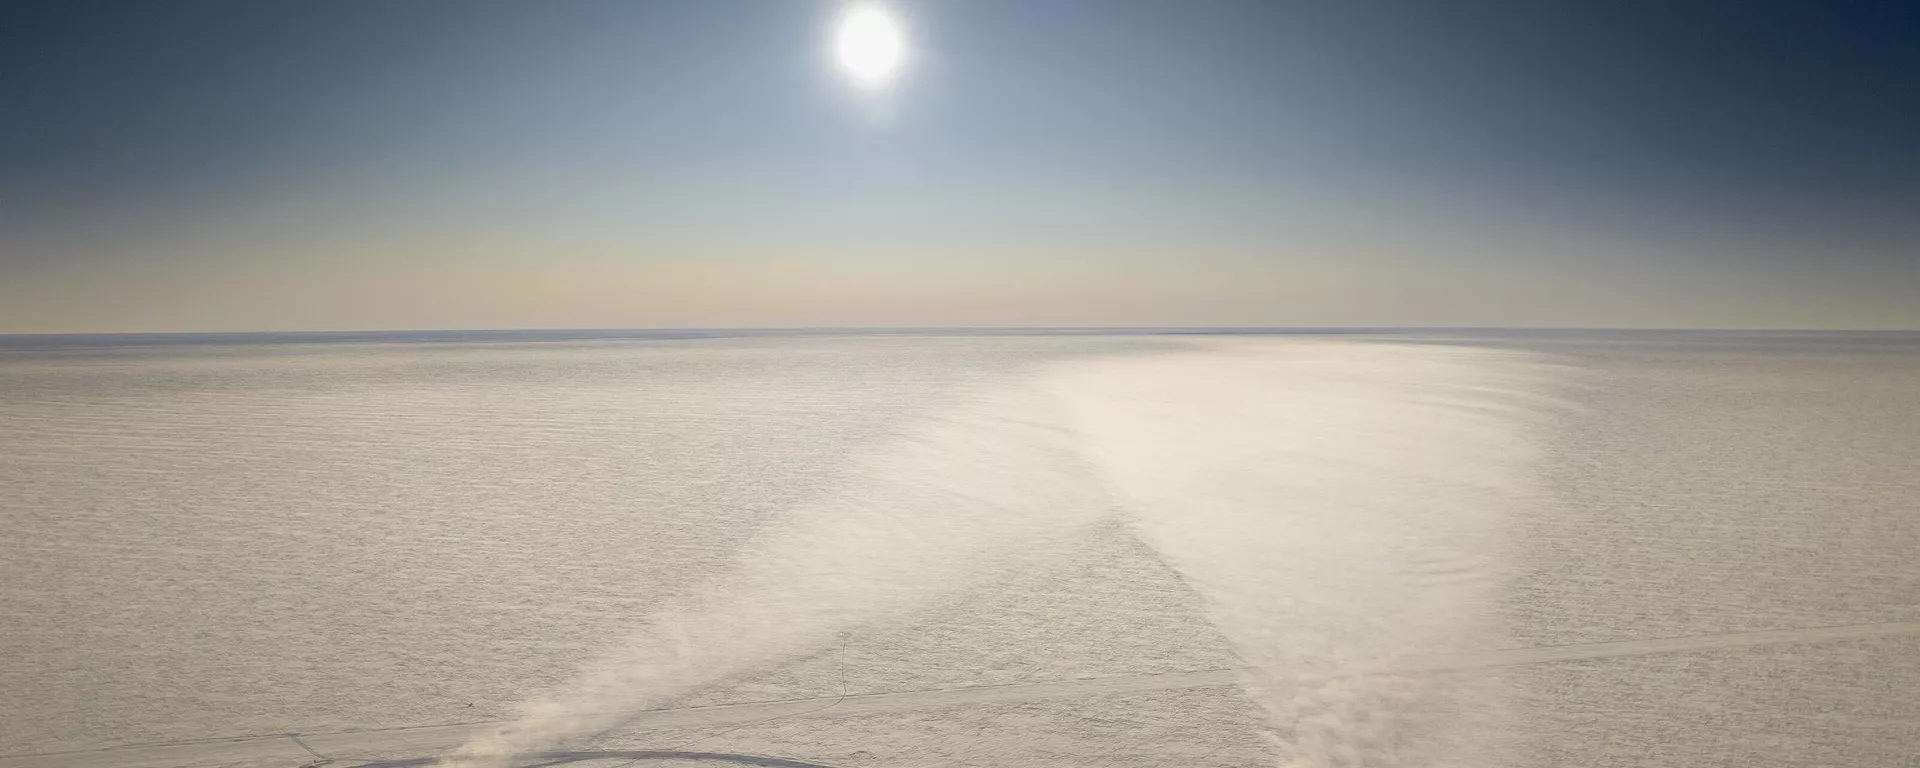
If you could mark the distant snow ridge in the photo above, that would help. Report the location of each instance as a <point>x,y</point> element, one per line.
<point>1340,507</point>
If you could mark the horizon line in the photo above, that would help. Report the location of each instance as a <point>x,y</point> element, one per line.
<point>955,329</point>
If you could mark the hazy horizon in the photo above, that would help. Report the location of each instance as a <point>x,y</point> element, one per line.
<point>579,334</point>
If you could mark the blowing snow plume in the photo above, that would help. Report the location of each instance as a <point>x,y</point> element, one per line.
<point>1340,508</point>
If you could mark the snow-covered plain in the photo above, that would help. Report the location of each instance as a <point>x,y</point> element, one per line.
<point>996,550</point>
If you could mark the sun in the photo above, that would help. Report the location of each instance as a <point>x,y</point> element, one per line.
<point>870,45</point>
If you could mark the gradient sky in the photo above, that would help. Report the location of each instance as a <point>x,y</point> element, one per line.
<point>359,164</point>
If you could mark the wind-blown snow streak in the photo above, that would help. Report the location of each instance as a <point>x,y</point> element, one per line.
<point>1340,508</point>
<point>989,474</point>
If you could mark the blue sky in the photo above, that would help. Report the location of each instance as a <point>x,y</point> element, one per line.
<point>187,166</point>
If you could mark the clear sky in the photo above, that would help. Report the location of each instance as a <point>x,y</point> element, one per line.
<point>360,164</point>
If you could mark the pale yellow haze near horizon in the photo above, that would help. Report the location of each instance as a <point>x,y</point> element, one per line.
<point>1317,285</point>
<point>866,163</point>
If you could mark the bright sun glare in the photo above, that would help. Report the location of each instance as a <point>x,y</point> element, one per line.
<point>870,45</point>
